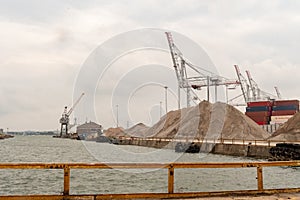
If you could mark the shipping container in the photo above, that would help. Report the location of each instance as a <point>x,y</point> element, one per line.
<point>258,108</point>
<point>261,114</point>
<point>257,119</point>
<point>281,117</point>
<point>276,123</point>
<point>260,103</point>
<point>287,107</point>
<point>286,102</point>
<point>283,112</point>
<point>262,123</point>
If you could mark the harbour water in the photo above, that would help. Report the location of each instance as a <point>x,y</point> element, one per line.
<point>47,149</point>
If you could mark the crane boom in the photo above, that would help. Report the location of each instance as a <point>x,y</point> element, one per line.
<point>243,82</point>
<point>253,86</point>
<point>175,57</point>
<point>180,68</point>
<point>74,105</point>
<point>278,92</point>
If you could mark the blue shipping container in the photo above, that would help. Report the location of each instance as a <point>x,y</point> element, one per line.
<point>290,107</point>
<point>258,108</point>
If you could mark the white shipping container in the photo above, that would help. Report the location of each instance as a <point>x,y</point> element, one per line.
<point>276,122</point>
<point>281,118</point>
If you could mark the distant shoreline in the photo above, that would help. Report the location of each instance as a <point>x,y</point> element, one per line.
<point>5,136</point>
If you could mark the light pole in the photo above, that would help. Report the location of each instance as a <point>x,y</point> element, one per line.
<point>117,107</point>
<point>160,105</point>
<point>166,98</point>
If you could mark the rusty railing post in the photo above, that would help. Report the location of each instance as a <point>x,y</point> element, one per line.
<point>171,179</point>
<point>259,178</point>
<point>66,180</point>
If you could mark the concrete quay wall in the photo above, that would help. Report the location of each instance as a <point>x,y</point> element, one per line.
<point>219,148</point>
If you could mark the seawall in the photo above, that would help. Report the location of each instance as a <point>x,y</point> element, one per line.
<point>218,148</point>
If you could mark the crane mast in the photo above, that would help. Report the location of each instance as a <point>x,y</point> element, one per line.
<point>254,87</point>
<point>243,82</point>
<point>180,69</point>
<point>278,92</point>
<point>64,120</point>
<point>175,57</point>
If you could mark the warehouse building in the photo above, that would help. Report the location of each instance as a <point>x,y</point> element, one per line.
<point>89,130</point>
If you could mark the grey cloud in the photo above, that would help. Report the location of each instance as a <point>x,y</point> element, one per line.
<point>37,11</point>
<point>56,36</point>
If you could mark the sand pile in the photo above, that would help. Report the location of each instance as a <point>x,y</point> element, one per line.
<point>289,131</point>
<point>203,121</point>
<point>239,126</point>
<point>208,121</point>
<point>137,130</point>
<point>114,132</point>
<point>184,122</point>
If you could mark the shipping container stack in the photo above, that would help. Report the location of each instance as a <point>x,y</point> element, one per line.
<point>283,110</point>
<point>260,111</point>
<point>272,112</point>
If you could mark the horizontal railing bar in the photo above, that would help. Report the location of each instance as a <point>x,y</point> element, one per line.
<point>151,195</point>
<point>144,165</point>
<point>236,165</point>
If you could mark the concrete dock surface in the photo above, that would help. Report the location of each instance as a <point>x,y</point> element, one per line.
<point>280,196</point>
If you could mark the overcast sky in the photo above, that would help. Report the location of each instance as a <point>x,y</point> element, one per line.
<point>44,45</point>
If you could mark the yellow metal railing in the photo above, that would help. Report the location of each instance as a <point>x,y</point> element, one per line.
<point>67,167</point>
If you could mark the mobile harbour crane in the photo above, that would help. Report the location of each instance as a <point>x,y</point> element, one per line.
<point>64,120</point>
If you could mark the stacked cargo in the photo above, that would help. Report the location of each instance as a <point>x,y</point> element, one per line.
<point>272,112</point>
<point>260,111</point>
<point>283,110</point>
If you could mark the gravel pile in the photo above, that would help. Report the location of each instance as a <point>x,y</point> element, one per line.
<point>289,131</point>
<point>203,121</point>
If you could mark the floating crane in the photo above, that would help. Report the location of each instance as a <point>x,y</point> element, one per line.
<point>64,120</point>
<point>205,78</point>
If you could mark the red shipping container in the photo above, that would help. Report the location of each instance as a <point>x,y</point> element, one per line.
<point>257,119</point>
<point>286,103</point>
<point>260,118</point>
<point>260,103</point>
<point>283,112</point>
<point>259,114</point>
<point>262,123</point>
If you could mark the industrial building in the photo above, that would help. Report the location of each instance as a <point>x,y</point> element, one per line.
<point>89,130</point>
